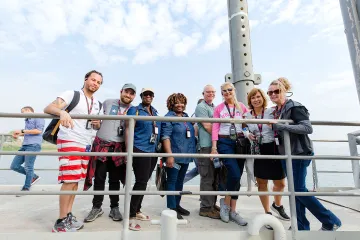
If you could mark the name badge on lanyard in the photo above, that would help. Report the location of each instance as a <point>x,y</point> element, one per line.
<point>277,142</point>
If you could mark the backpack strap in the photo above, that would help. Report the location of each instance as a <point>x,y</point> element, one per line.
<point>74,101</point>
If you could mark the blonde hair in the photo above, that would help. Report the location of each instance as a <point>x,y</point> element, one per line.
<point>252,93</point>
<point>283,83</point>
<point>237,105</point>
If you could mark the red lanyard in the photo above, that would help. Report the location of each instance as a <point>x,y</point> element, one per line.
<point>87,103</point>
<point>277,112</point>
<point>262,117</point>
<point>124,113</point>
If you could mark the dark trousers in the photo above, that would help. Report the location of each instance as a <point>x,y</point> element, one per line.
<point>175,182</point>
<point>325,216</point>
<point>143,168</point>
<point>114,182</point>
<point>209,179</point>
<point>234,166</point>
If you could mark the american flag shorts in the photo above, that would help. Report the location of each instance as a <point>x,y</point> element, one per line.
<point>72,168</point>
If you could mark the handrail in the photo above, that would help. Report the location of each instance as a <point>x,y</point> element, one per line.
<point>130,154</point>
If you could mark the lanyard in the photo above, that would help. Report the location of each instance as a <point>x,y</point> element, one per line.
<point>277,112</point>
<point>87,103</point>
<point>119,110</point>
<point>260,126</point>
<point>227,106</point>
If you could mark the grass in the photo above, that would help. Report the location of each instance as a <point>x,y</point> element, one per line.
<point>15,147</point>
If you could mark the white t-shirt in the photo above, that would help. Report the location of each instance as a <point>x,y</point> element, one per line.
<point>79,133</point>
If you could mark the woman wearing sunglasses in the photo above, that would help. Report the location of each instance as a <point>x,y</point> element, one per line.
<point>300,145</point>
<point>227,138</point>
<point>262,137</point>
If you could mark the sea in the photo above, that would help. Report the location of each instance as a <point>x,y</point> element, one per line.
<point>8,177</point>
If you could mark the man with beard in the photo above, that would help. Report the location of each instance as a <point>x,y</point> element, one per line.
<point>75,135</point>
<point>145,140</point>
<point>109,138</point>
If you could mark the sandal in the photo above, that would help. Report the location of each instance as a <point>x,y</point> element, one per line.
<point>134,226</point>
<point>142,217</point>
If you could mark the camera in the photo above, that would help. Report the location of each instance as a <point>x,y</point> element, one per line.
<point>217,163</point>
<point>120,131</point>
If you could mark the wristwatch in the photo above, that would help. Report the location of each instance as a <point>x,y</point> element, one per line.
<point>22,130</point>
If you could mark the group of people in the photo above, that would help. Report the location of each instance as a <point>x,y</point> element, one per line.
<point>81,135</point>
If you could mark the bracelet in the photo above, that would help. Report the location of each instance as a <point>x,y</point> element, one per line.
<point>214,148</point>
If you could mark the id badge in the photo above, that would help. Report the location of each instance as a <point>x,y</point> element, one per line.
<point>153,138</point>
<point>156,130</point>
<point>120,131</point>
<point>260,140</point>
<point>188,133</point>
<point>277,142</point>
<point>232,131</point>
<point>88,148</point>
<point>88,124</point>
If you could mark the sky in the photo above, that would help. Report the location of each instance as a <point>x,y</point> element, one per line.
<point>46,47</point>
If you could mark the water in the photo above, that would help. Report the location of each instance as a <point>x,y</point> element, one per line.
<point>325,179</point>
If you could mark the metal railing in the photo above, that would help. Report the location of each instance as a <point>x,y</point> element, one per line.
<point>130,154</point>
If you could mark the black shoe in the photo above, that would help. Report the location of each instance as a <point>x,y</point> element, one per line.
<point>280,211</point>
<point>178,214</point>
<point>268,226</point>
<point>182,211</point>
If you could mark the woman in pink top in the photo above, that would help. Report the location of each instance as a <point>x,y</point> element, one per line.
<point>228,138</point>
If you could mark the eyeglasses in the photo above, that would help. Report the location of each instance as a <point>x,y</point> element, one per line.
<point>277,91</point>
<point>227,90</point>
<point>213,92</point>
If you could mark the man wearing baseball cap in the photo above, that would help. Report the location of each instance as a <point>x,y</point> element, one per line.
<point>109,138</point>
<point>146,139</point>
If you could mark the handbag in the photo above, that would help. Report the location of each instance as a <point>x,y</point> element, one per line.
<point>160,179</point>
<point>242,146</point>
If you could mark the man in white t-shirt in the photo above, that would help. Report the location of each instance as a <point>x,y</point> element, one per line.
<point>75,135</point>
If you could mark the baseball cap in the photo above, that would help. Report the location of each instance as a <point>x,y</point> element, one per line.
<point>129,86</point>
<point>147,90</point>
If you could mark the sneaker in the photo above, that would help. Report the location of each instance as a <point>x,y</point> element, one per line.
<point>77,224</point>
<point>224,211</point>
<point>182,211</point>
<point>93,214</point>
<point>24,189</point>
<point>35,180</point>
<point>63,226</point>
<point>210,213</point>
<point>280,211</point>
<point>115,214</point>
<point>268,226</point>
<point>235,217</point>
<point>334,228</point>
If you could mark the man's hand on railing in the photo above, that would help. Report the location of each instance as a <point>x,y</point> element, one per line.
<point>66,120</point>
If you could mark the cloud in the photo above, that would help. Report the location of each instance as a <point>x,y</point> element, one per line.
<point>289,12</point>
<point>335,82</point>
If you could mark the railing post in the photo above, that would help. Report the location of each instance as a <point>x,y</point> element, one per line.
<point>291,187</point>
<point>128,181</point>
<point>315,175</point>
<point>2,144</point>
<point>354,163</point>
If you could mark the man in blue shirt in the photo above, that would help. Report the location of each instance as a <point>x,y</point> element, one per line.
<point>145,140</point>
<point>32,143</point>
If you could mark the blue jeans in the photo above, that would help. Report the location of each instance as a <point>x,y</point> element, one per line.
<point>325,216</point>
<point>234,166</point>
<point>175,182</point>
<point>192,173</point>
<point>29,161</point>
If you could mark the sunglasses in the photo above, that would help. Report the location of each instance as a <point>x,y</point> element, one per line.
<point>145,94</point>
<point>227,90</point>
<point>277,91</point>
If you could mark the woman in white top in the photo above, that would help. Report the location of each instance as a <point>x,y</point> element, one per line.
<point>262,136</point>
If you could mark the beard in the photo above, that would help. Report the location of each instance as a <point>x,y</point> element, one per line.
<point>125,100</point>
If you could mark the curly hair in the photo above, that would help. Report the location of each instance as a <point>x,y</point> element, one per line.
<point>175,98</point>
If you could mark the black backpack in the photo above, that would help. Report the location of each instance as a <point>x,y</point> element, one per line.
<point>51,132</point>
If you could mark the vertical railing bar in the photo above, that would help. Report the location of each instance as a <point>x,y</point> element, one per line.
<point>315,175</point>
<point>2,143</point>
<point>354,163</point>
<point>291,187</point>
<point>128,181</point>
